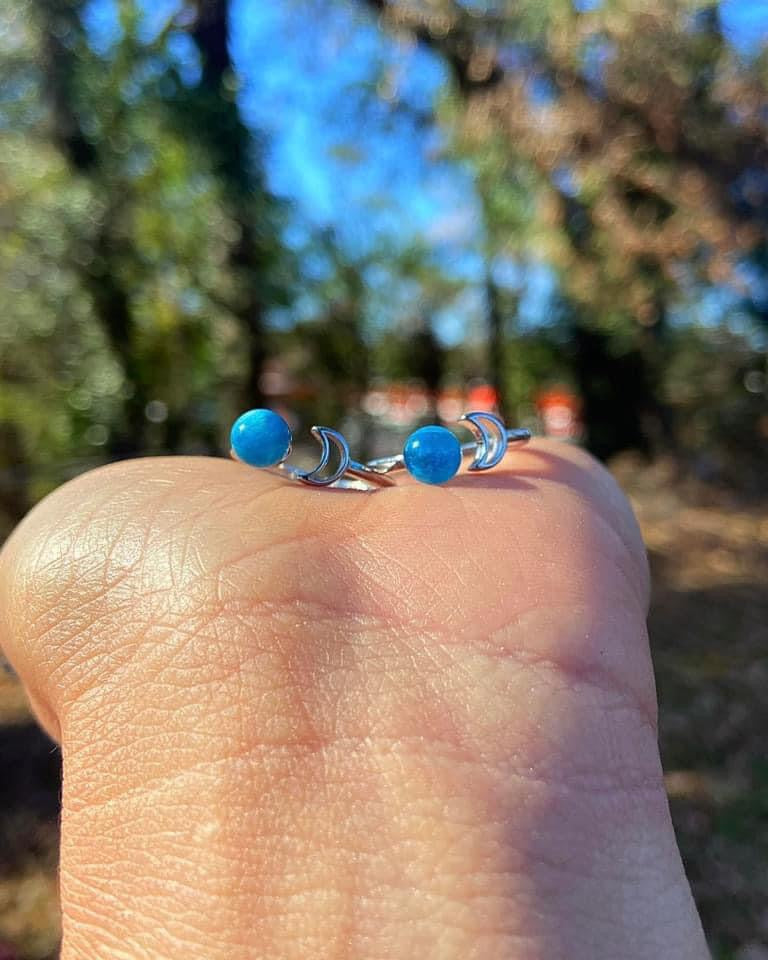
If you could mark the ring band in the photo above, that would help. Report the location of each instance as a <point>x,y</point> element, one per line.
<point>432,454</point>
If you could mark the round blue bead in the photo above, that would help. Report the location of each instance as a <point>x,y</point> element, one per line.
<point>432,454</point>
<point>260,438</point>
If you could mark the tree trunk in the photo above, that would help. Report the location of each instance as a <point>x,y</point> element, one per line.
<point>615,395</point>
<point>229,144</point>
<point>15,498</point>
<point>59,20</point>
<point>497,344</point>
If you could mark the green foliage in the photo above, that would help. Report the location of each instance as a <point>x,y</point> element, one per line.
<point>624,147</point>
<point>115,257</point>
<point>146,286</point>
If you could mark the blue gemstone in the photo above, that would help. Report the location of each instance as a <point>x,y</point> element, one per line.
<point>432,454</point>
<point>260,438</point>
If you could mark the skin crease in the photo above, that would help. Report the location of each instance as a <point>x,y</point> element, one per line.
<point>313,723</point>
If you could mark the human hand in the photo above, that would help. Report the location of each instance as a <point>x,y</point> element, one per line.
<point>300,723</point>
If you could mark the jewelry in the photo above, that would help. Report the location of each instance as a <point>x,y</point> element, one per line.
<point>261,438</point>
<point>432,454</point>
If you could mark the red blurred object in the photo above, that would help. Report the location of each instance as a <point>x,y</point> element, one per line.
<point>403,403</point>
<point>7,952</point>
<point>560,412</point>
<point>482,396</point>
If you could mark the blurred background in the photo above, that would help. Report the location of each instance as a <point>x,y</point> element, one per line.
<point>377,213</point>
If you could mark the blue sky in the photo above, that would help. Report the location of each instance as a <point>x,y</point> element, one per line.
<point>308,82</point>
<point>334,147</point>
<point>367,166</point>
<point>303,90</point>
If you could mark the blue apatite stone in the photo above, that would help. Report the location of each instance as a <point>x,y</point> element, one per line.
<point>260,438</point>
<point>432,454</point>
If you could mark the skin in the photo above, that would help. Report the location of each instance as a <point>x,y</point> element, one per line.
<point>312,723</point>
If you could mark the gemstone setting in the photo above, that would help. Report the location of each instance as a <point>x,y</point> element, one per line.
<point>260,438</point>
<point>432,454</point>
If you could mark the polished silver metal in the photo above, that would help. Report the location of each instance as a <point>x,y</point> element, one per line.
<point>348,474</point>
<point>492,440</point>
<point>486,451</point>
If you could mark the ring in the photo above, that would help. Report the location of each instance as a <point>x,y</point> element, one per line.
<point>432,454</point>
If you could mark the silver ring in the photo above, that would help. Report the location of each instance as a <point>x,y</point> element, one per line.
<point>432,454</point>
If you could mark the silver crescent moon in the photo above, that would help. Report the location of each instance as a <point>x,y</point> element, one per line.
<point>326,436</point>
<point>491,444</point>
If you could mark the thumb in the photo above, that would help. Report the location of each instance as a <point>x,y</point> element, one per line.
<point>307,723</point>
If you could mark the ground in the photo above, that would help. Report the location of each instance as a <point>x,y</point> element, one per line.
<point>709,631</point>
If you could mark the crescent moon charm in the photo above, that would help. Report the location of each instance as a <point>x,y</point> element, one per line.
<point>326,436</point>
<point>431,454</point>
<point>491,438</point>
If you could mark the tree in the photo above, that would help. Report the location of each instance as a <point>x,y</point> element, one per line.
<point>632,136</point>
<point>208,113</point>
<point>124,329</point>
